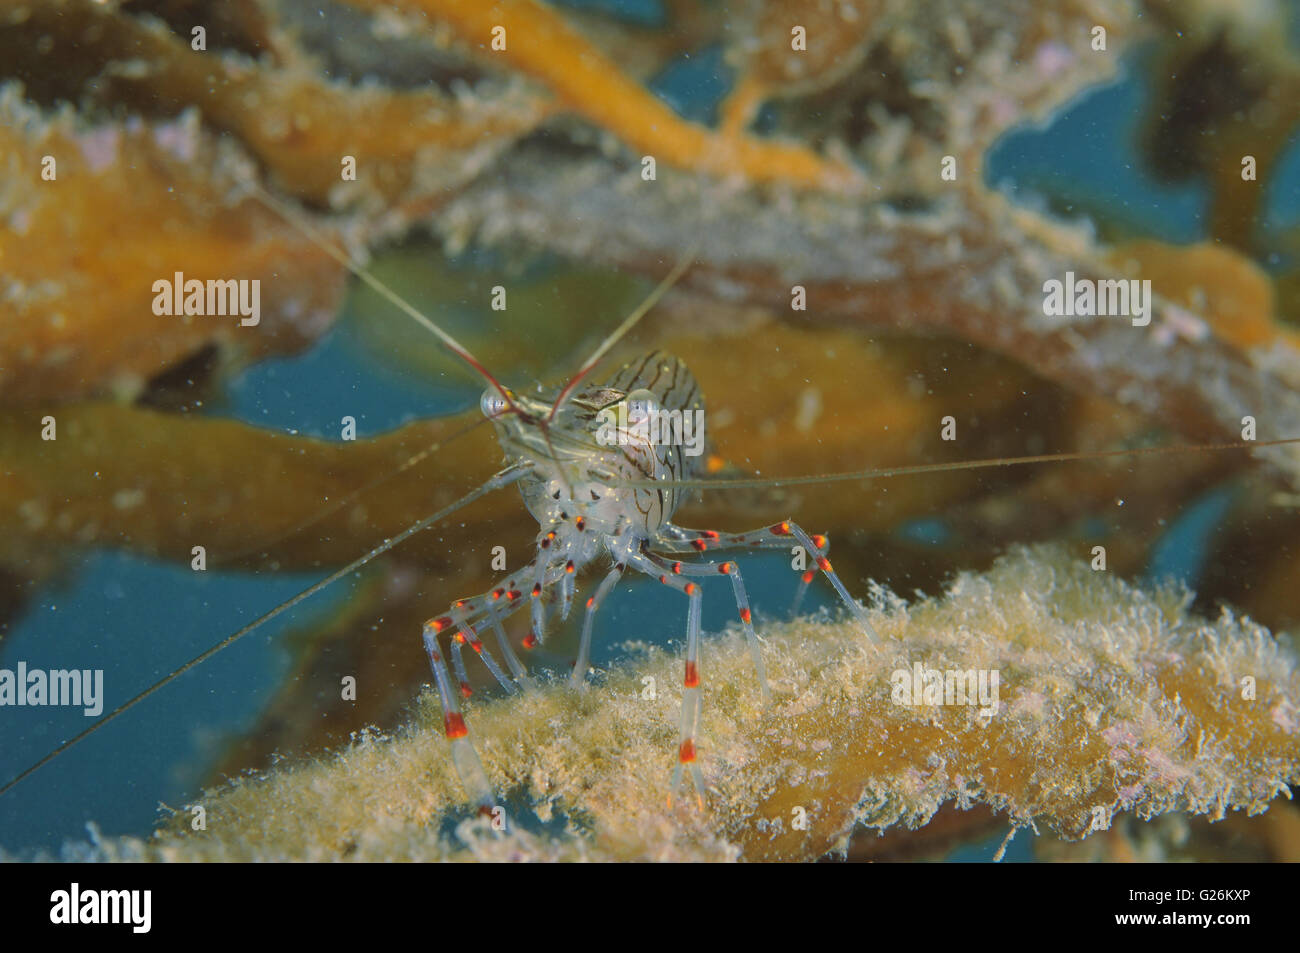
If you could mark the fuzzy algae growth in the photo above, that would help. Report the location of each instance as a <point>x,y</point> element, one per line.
<point>1112,699</point>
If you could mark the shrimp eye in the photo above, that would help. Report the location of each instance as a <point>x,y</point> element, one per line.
<point>492,403</point>
<point>641,405</point>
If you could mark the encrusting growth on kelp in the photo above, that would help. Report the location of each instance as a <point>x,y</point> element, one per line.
<point>1095,699</point>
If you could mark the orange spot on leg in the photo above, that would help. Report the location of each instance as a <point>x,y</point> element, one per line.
<point>454,725</point>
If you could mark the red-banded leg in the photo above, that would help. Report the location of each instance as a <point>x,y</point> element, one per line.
<point>679,539</point>
<point>567,589</point>
<point>496,611</point>
<point>537,604</point>
<point>579,676</point>
<point>807,575</point>
<point>468,766</point>
<point>687,755</point>
<point>732,572</point>
<point>463,615</point>
<point>539,586</point>
<point>466,635</point>
<point>492,608</point>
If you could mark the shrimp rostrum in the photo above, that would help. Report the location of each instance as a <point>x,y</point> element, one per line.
<point>582,462</point>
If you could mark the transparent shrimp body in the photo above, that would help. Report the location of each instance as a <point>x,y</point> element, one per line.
<point>575,461</point>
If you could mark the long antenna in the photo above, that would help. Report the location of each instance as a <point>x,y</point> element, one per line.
<point>336,505</point>
<point>503,478</point>
<point>296,219</point>
<point>843,477</point>
<point>652,299</point>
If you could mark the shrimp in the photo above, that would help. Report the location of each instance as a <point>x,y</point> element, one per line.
<point>570,462</point>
